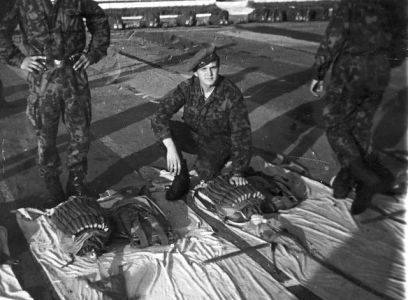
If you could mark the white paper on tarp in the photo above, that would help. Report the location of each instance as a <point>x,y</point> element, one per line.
<point>10,288</point>
<point>373,253</point>
<point>170,272</point>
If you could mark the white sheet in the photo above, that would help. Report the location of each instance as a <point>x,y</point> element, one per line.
<point>372,253</point>
<point>171,272</point>
<point>10,288</point>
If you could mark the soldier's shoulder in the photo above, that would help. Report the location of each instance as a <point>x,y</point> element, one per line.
<point>230,88</point>
<point>187,84</point>
<point>191,81</point>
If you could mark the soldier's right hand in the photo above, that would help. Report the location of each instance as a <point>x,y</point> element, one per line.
<point>33,64</point>
<point>173,162</point>
<point>173,159</point>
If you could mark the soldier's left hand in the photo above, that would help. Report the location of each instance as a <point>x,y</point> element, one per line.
<point>237,180</point>
<point>316,87</point>
<point>81,63</point>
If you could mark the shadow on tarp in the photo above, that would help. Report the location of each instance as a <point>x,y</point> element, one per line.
<point>389,139</point>
<point>378,247</point>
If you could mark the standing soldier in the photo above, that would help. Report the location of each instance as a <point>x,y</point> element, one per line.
<point>363,40</point>
<point>54,38</point>
<point>216,125</point>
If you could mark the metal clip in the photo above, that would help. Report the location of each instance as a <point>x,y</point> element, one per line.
<point>73,58</point>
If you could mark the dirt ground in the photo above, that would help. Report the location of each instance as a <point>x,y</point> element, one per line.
<point>271,63</point>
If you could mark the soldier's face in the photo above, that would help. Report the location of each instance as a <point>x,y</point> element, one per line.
<point>208,74</point>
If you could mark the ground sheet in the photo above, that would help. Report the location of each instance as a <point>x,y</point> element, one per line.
<point>341,257</point>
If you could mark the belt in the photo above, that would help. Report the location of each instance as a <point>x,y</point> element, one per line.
<point>55,63</point>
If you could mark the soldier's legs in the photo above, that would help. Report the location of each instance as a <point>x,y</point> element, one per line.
<point>353,96</point>
<point>352,100</point>
<point>213,153</point>
<point>370,178</point>
<point>339,115</point>
<point>184,140</point>
<point>183,137</point>
<point>345,120</point>
<point>77,116</point>
<point>43,113</point>
<point>369,91</point>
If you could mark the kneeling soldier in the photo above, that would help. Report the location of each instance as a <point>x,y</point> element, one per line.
<point>216,125</point>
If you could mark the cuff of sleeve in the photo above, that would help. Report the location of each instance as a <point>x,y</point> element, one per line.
<point>236,173</point>
<point>93,57</point>
<point>17,60</point>
<point>164,135</point>
<point>317,75</point>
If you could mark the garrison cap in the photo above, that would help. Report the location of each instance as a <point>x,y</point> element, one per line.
<point>203,57</point>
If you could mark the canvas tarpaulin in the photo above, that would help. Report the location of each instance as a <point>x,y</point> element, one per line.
<point>10,288</point>
<point>369,254</point>
<point>159,272</point>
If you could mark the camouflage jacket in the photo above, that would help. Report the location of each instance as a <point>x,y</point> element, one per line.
<point>54,30</point>
<point>224,115</point>
<point>363,27</point>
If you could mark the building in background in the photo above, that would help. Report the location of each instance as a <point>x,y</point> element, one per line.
<point>167,13</point>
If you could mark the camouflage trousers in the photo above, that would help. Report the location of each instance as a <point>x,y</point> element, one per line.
<point>60,93</point>
<point>212,152</point>
<point>353,95</point>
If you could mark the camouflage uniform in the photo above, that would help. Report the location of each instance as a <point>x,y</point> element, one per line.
<point>217,129</point>
<point>358,48</point>
<point>57,31</point>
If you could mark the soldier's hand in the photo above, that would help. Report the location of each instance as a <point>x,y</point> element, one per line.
<point>237,180</point>
<point>81,63</point>
<point>316,87</point>
<point>173,159</point>
<point>33,64</point>
<point>173,162</point>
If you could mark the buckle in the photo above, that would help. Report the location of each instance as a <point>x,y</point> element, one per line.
<point>58,63</point>
<point>73,58</point>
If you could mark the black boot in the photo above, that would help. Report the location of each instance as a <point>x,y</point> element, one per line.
<point>76,184</point>
<point>342,184</point>
<point>368,185</point>
<point>56,194</point>
<point>180,184</point>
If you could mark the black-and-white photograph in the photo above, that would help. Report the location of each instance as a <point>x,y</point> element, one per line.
<point>203,149</point>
